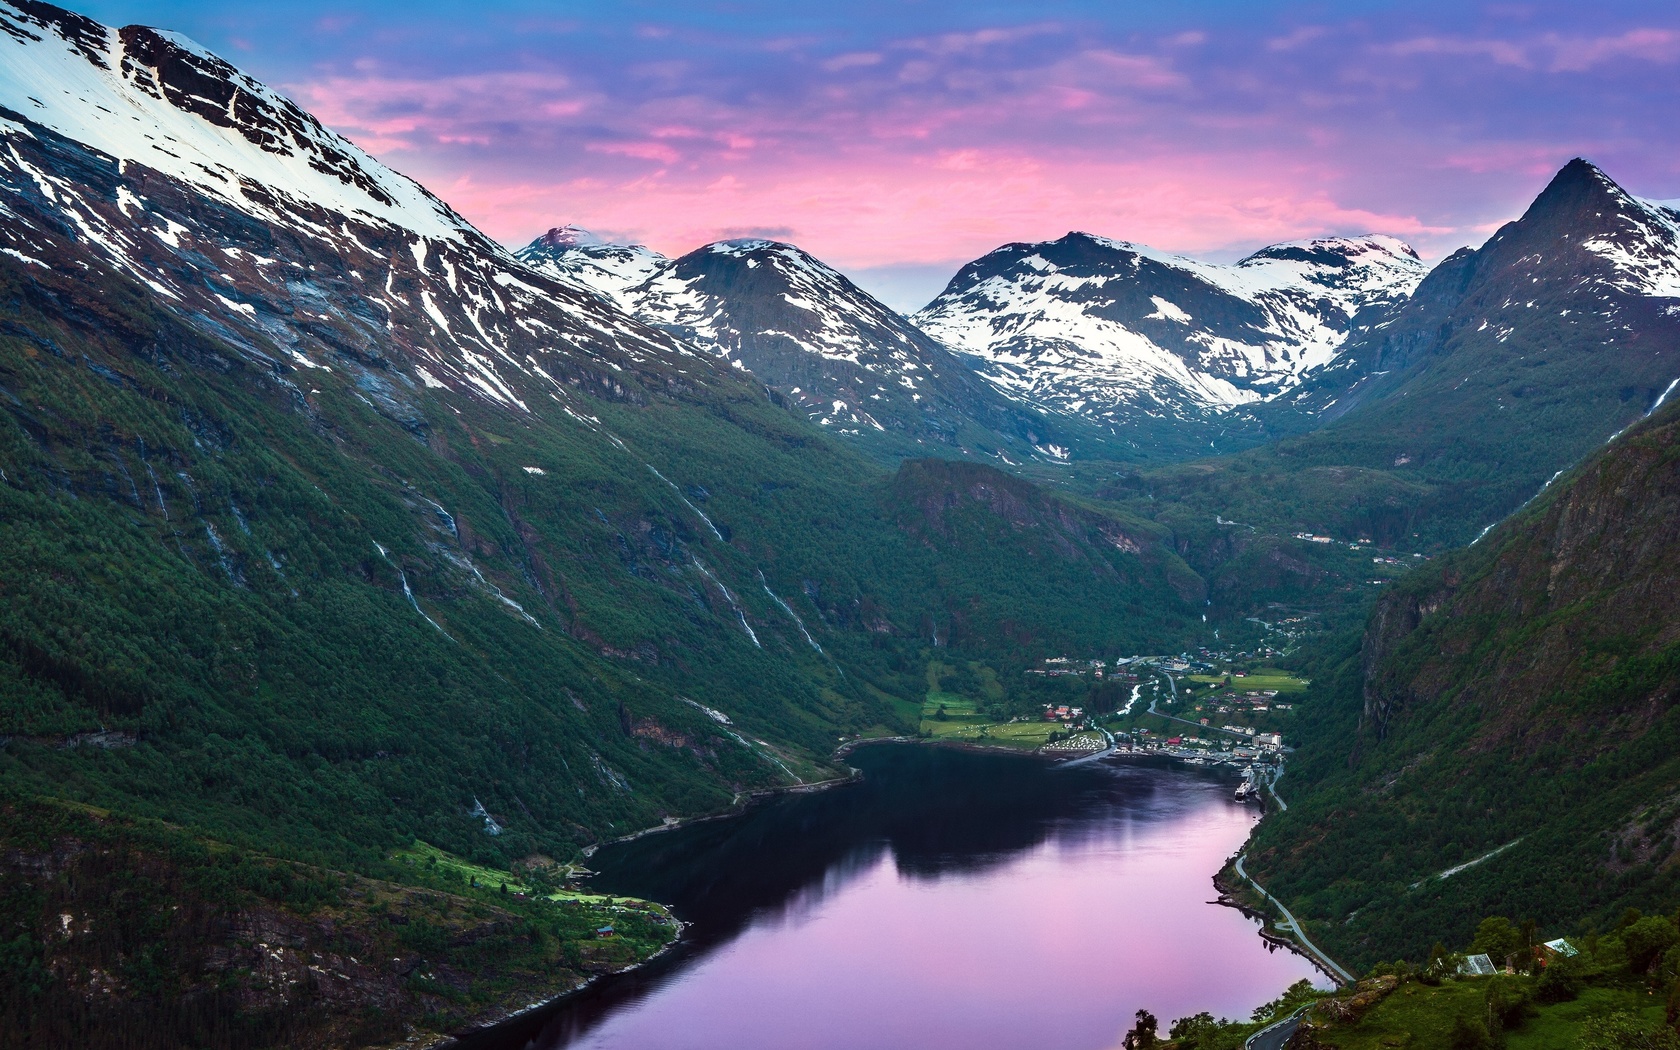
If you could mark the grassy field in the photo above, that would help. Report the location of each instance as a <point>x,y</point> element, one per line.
<point>1420,1016</point>
<point>1024,735</point>
<point>1265,678</point>
<point>425,855</point>
<point>955,706</point>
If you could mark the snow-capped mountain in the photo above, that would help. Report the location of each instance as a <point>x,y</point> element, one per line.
<point>579,257</point>
<point>1113,330</point>
<point>1588,280</point>
<point>842,357</point>
<point>136,150</point>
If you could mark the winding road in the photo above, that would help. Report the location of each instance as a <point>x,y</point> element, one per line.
<point>1273,1036</point>
<point>1294,927</point>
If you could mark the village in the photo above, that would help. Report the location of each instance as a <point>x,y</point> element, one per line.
<point>1207,708</point>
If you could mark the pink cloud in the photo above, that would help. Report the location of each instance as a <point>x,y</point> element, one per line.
<point>1648,45</point>
<point>1551,51</point>
<point>384,113</point>
<point>921,149</point>
<point>658,151</point>
<point>1296,38</point>
<point>979,39</point>
<point>867,213</point>
<point>1504,52</point>
<point>853,61</point>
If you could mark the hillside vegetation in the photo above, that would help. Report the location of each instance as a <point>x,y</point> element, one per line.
<point>1518,696</point>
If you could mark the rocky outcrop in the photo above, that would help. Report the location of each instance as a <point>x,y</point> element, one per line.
<point>1347,1009</point>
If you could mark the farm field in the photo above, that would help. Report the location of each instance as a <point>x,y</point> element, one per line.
<point>1265,678</point>
<point>1025,735</point>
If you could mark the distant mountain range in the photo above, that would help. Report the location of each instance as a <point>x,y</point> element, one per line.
<point>1132,337</point>
<point>1123,352</point>
<point>331,529</point>
<point>835,353</point>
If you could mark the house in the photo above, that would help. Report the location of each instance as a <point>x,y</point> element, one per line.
<point>1175,740</point>
<point>605,931</point>
<point>1560,948</point>
<point>1477,966</point>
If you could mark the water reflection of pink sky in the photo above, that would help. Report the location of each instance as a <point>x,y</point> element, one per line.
<point>1054,948</point>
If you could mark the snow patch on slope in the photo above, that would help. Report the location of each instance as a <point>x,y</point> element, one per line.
<point>1645,250</point>
<point>243,142</point>
<point>1105,327</point>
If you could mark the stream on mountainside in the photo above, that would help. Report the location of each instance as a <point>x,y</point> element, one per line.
<point>948,899</point>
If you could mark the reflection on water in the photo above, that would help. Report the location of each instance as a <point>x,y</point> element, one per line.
<point>950,899</point>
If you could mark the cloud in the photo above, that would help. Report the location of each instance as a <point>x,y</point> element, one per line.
<point>768,233</point>
<point>1296,38</point>
<point>1552,52</point>
<point>977,40</point>
<point>658,151</point>
<point>1646,44</point>
<point>905,144</point>
<point>853,60</point>
<point>1503,52</point>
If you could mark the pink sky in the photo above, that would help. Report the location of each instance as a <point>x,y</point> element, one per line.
<point>897,141</point>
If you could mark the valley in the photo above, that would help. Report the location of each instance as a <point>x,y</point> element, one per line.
<point>400,631</point>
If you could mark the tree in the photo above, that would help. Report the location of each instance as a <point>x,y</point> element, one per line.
<point>1508,1005</point>
<point>1496,937</point>
<point>1439,961</point>
<point>1143,1034</point>
<point>1561,980</point>
<point>1626,1032</point>
<point>1196,1032</point>
<point>1468,1034</point>
<point>1647,939</point>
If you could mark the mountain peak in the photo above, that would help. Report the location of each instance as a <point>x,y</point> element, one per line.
<point>1638,240</point>
<point>1124,334</point>
<point>1336,251</point>
<point>749,245</point>
<point>158,99</point>
<point>1579,189</point>
<point>567,236</point>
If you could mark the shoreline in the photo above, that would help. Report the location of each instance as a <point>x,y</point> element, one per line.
<point>504,1016</point>
<point>745,801</point>
<point>1228,898</point>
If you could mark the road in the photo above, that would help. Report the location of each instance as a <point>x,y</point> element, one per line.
<point>1271,785</point>
<point>1186,721</point>
<point>1274,1036</point>
<point>1294,927</point>
<point>1271,782</point>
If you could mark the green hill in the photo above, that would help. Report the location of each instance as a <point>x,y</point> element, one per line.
<point>1506,737</point>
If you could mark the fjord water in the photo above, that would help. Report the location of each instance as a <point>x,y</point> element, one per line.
<point>948,899</point>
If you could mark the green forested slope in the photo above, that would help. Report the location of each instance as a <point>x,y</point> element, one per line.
<point>1520,693</point>
<point>193,565</point>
